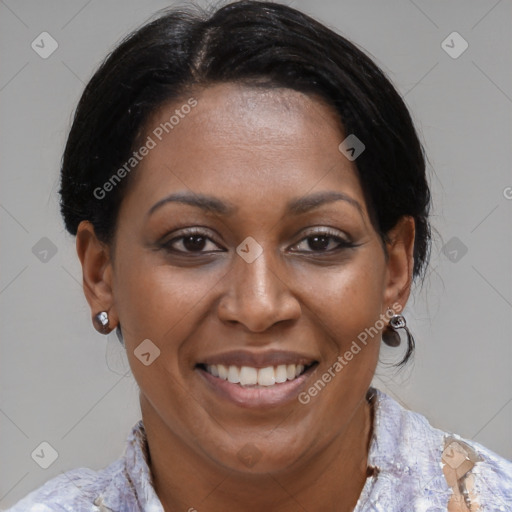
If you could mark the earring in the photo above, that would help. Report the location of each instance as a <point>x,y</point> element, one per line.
<point>390,336</point>
<point>100,322</point>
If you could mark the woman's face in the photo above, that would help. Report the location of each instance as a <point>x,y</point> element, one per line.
<point>268,261</point>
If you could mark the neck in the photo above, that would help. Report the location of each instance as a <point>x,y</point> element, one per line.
<point>331,479</point>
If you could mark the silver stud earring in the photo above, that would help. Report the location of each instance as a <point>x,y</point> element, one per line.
<point>100,322</point>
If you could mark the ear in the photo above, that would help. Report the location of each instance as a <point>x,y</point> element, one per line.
<point>95,257</point>
<point>400,262</point>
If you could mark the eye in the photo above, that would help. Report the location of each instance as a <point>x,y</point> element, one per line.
<point>324,240</point>
<point>191,241</point>
<point>196,241</point>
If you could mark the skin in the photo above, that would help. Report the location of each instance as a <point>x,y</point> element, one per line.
<point>257,149</point>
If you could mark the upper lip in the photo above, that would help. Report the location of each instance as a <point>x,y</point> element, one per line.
<point>258,359</point>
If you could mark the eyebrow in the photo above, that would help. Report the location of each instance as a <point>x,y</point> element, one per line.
<point>307,203</point>
<point>207,203</point>
<point>296,206</point>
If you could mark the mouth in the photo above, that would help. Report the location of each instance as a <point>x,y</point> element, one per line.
<point>257,377</point>
<point>253,381</point>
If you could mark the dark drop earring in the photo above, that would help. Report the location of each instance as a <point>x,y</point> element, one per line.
<point>390,335</point>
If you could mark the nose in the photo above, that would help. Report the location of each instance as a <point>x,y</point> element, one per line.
<point>257,296</point>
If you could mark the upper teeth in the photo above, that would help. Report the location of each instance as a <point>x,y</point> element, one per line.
<point>248,376</point>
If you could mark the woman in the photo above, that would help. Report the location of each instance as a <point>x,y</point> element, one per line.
<point>250,205</point>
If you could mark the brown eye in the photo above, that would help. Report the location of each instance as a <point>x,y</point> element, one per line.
<point>323,241</point>
<point>191,241</point>
<point>194,242</point>
<point>319,243</point>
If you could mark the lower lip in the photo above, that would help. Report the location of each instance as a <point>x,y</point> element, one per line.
<point>260,396</point>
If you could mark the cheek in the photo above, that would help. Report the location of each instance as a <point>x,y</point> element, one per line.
<point>345,312</point>
<point>153,299</point>
<point>348,299</point>
<point>162,304</point>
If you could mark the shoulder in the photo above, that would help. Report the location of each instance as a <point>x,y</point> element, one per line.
<point>125,485</point>
<point>435,462</point>
<point>77,490</point>
<point>431,442</point>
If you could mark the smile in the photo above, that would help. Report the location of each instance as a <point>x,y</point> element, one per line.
<point>250,376</point>
<point>258,381</point>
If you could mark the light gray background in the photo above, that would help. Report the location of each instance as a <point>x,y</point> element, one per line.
<point>63,383</point>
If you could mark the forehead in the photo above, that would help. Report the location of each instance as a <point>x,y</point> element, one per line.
<point>232,141</point>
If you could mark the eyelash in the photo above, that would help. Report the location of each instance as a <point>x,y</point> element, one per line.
<point>324,233</point>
